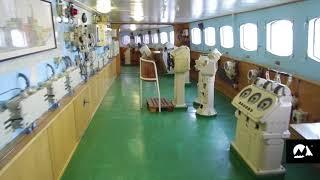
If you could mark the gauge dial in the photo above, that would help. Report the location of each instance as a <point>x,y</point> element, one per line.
<point>254,98</point>
<point>246,93</point>
<point>264,104</point>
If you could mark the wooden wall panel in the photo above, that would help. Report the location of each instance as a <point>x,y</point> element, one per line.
<point>306,91</point>
<point>122,51</point>
<point>118,62</point>
<point>178,39</point>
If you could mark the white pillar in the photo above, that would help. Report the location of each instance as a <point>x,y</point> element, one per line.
<point>187,77</point>
<point>179,92</point>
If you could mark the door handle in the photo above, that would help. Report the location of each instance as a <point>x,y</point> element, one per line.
<point>85,102</point>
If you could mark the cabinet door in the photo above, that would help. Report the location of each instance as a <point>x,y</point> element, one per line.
<point>34,163</point>
<point>100,87</point>
<point>93,87</point>
<point>82,111</point>
<point>62,140</point>
<point>114,67</point>
<point>110,75</point>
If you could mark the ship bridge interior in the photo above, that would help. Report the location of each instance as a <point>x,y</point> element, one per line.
<point>159,89</point>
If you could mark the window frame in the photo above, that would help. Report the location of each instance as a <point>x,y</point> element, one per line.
<point>125,42</point>
<point>311,42</point>
<point>193,36</point>
<point>171,37</point>
<point>144,39</point>
<point>242,36</point>
<point>137,39</point>
<point>268,39</point>
<point>153,38</point>
<point>206,42</point>
<point>161,36</point>
<point>222,37</point>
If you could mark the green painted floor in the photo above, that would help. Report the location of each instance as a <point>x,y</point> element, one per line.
<point>126,143</point>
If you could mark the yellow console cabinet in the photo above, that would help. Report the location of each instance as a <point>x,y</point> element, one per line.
<point>101,91</point>
<point>62,139</point>
<point>93,88</point>
<point>82,110</point>
<point>32,163</point>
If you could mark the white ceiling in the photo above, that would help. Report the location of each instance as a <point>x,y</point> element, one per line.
<point>178,11</point>
<point>126,27</point>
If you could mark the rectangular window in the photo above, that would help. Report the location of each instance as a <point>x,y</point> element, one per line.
<point>125,40</point>
<point>226,37</point>
<point>171,37</point>
<point>210,36</point>
<point>249,37</point>
<point>137,39</point>
<point>314,39</point>
<point>146,39</point>
<point>196,36</point>
<point>163,37</point>
<point>155,39</point>
<point>280,37</point>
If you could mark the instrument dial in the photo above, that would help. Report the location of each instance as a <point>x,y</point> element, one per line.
<point>264,104</point>
<point>246,93</point>
<point>254,98</point>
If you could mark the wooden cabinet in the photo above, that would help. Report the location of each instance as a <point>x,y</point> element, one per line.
<point>33,163</point>
<point>100,86</point>
<point>62,139</point>
<point>45,153</point>
<point>82,110</point>
<point>93,88</point>
<point>108,76</point>
<point>114,67</point>
<point>105,77</point>
<point>118,66</point>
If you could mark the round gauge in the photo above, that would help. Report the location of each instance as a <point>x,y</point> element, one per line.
<point>246,93</point>
<point>254,98</point>
<point>84,18</point>
<point>264,104</point>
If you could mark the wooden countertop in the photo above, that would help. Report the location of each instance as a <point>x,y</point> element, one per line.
<point>306,130</point>
<point>22,141</point>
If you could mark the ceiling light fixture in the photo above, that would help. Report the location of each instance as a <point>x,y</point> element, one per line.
<point>103,6</point>
<point>137,9</point>
<point>133,27</point>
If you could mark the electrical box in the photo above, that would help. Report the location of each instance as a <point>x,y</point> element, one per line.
<point>33,107</point>
<point>101,19</point>
<point>101,34</point>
